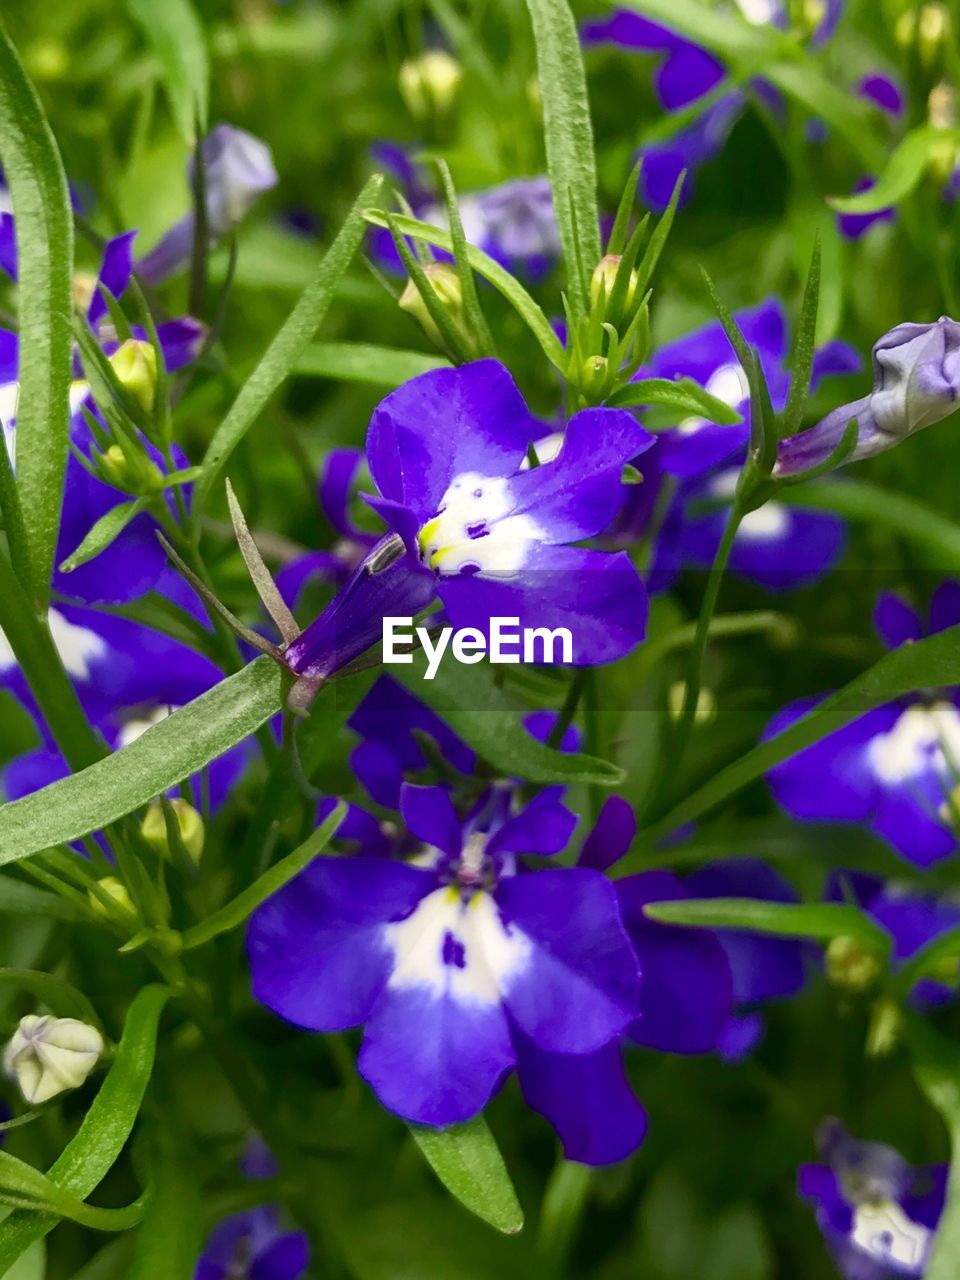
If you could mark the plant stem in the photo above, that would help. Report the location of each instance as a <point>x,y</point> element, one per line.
<point>673,756</point>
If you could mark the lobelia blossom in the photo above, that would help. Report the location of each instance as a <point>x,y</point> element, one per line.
<point>477,527</point>
<point>878,1213</point>
<point>916,382</point>
<point>514,222</point>
<point>47,1055</point>
<point>893,770</point>
<point>779,547</point>
<point>884,93</point>
<point>238,169</point>
<point>253,1245</point>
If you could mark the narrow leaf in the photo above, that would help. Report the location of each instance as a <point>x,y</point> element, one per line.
<point>363,362</point>
<point>804,346</point>
<point>902,173</point>
<point>683,394</point>
<point>106,530</point>
<point>22,1185</point>
<point>473,312</point>
<point>92,1153</point>
<point>60,997</point>
<point>467,1160</point>
<point>819,920</point>
<point>281,356</point>
<point>171,1237</point>
<point>166,754</point>
<point>271,882</point>
<point>177,39</point>
<point>569,140</point>
<point>468,699</point>
<point>936,1064</point>
<point>19,899</point>
<point>260,575</point>
<point>44,222</point>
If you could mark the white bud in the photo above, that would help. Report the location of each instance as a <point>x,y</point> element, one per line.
<point>48,1055</point>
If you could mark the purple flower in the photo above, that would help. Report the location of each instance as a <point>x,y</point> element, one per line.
<point>916,381</point>
<point>449,959</point>
<point>685,73</point>
<point>238,168</point>
<point>253,1245</point>
<point>891,770</point>
<point>878,1214</point>
<point>475,525</point>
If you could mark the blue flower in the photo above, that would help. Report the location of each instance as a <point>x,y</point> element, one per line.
<point>893,769</point>
<point>878,1214</point>
<point>474,524</point>
<point>238,168</point>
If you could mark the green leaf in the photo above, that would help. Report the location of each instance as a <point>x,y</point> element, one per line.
<point>881,508</point>
<point>282,355</point>
<point>683,394</point>
<point>569,140</point>
<point>106,530</point>
<point>902,172</point>
<point>470,701</point>
<point>936,1064</point>
<point>476,321</point>
<point>271,882</point>
<point>801,364</point>
<point>92,1153</point>
<point>166,754</point>
<point>171,1237</point>
<point>467,1160</point>
<point>364,362</point>
<point>493,273</point>
<point>59,996</point>
<point>27,1188</point>
<point>926,664</point>
<point>41,207</point>
<point>19,899</point>
<point>820,920</point>
<point>928,960</point>
<point>177,39</point>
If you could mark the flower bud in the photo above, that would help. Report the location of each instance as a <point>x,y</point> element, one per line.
<point>429,83</point>
<point>886,1027</point>
<point>139,475</point>
<point>916,382</point>
<point>154,828</point>
<point>594,373</point>
<point>852,966</point>
<point>48,59</point>
<point>605,277</point>
<point>445,283</point>
<point>116,890</point>
<point>135,364</point>
<point>238,169</point>
<point>706,710</point>
<point>48,1055</point>
<point>931,34</point>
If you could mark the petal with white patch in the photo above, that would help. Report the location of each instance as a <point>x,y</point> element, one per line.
<point>79,647</point>
<point>922,738</point>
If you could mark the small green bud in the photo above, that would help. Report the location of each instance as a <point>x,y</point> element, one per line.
<point>886,1027</point>
<point>116,891</point>
<point>140,475</point>
<point>706,711</point>
<point>605,277</point>
<point>429,84</point>
<point>154,828</point>
<point>445,283</point>
<point>48,59</point>
<point>929,30</point>
<point>135,364</point>
<point>852,966</point>
<point>84,284</point>
<point>594,374</point>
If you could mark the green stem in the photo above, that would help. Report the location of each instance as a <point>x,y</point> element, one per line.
<point>673,757</point>
<point>29,637</point>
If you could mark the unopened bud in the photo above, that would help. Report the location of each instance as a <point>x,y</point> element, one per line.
<point>929,30</point>
<point>189,822</point>
<point>429,83</point>
<point>886,1027</point>
<point>852,966</point>
<point>48,1055</point>
<point>117,892</point>
<point>706,710</point>
<point>605,278</point>
<point>83,286</point>
<point>445,283</point>
<point>138,475</point>
<point>135,364</point>
<point>47,59</point>
<point>594,374</point>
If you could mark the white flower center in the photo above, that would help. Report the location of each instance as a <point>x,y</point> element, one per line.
<point>758,11</point>
<point>137,727</point>
<point>923,736</point>
<point>463,949</point>
<point>474,530</point>
<point>882,1230</point>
